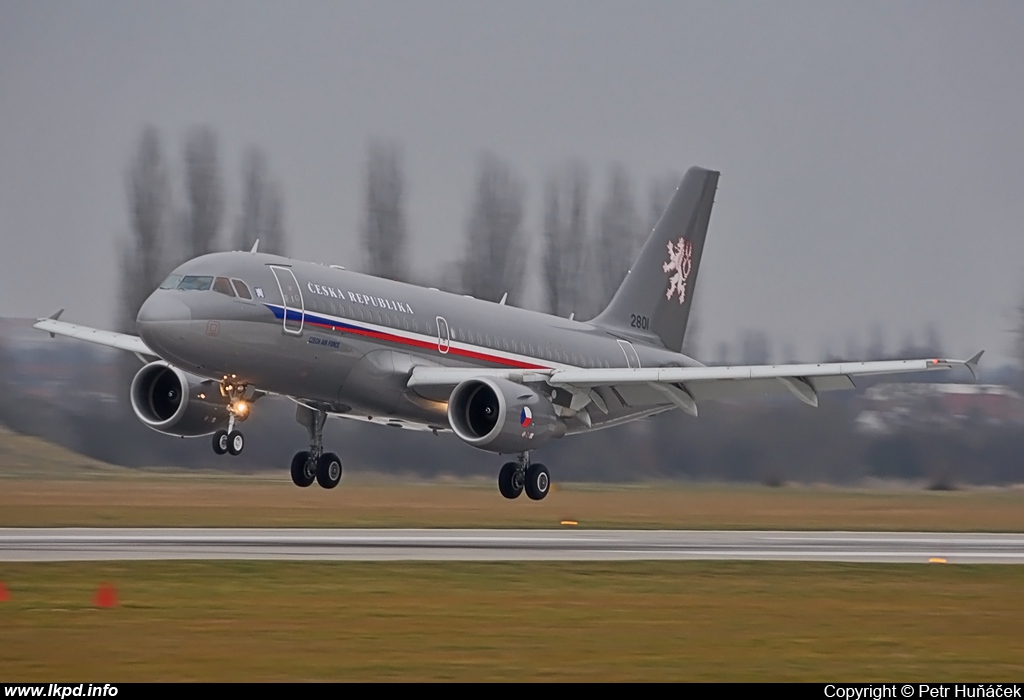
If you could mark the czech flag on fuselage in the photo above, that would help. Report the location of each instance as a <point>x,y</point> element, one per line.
<point>526,417</point>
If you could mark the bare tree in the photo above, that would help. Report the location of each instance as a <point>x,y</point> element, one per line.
<point>1019,344</point>
<point>876,343</point>
<point>262,215</point>
<point>384,230</point>
<point>495,257</point>
<point>754,348</point>
<point>618,236</point>
<point>142,254</point>
<point>205,193</point>
<point>565,232</point>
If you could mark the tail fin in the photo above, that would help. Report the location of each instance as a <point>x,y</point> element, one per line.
<point>657,293</point>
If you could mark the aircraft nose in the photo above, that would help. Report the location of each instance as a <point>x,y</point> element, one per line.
<point>163,307</point>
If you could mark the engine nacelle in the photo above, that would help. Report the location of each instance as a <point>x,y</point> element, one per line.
<point>175,403</point>
<point>501,416</point>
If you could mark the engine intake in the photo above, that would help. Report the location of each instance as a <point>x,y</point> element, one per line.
<point>501,416</point>
<point>175,403</point>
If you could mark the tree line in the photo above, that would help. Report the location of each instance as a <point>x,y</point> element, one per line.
<point>584,255</point>
<point>582,261</point>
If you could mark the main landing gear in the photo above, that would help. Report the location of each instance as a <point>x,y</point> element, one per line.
<point>315,464</point>
<point>231,440</point>
<point>521,475</point>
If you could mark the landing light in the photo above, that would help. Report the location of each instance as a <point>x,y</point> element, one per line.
<point>242,408</point>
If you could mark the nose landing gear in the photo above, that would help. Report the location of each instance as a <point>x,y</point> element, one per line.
<point>231,440</point>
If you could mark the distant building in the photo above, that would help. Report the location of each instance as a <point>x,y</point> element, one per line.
<point>889,408</point>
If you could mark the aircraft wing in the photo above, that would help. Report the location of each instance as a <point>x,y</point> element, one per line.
<point>110,339</point>
<point>686,386</point>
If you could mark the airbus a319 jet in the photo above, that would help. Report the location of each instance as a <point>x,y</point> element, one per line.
<point>226,329</point>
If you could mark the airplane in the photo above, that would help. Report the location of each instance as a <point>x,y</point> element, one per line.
<point>228,328</point>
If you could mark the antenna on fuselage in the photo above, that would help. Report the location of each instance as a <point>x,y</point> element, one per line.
<point>503,298</point>
<point>255,246</point>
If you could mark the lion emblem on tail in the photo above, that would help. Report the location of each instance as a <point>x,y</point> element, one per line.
<point>680,261</point>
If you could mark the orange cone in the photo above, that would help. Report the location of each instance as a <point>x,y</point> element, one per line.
<point>106,596</point>
<point>4,594</point>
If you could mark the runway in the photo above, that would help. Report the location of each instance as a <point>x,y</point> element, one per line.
<point>117,544</point>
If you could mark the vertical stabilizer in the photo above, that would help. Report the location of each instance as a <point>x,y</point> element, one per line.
<point>656,296</point>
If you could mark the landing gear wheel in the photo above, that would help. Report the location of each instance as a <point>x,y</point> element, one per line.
<point>303,469</point>
<point>328,470</point>
<point>538,481</point>
<point>235,442</point>
<point>508,483</point>
<point>220,442</point>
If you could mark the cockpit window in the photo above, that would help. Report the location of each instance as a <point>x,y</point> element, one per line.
<point>171,282</point>
<point>222,286</point>
<point>241,289</point>
<point>195,282</point>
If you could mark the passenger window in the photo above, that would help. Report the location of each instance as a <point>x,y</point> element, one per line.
<point>195,283</point>
<point>241,290</point>
<point>171,282</point>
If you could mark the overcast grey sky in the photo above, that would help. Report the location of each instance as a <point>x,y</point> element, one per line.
<point>872,153</point>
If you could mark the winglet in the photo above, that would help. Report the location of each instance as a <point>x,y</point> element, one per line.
<point>255,246</point>
<point>53,317</point>
<point>972,364</point>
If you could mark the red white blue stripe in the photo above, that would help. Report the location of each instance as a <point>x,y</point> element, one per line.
<point>408,339</point>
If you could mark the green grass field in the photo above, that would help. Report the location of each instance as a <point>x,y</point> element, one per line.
<point>258,621</point>
<point>237,501</point>
<point>271,621</point>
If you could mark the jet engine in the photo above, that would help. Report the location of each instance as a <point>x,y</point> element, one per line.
<point>175,403</point>
<point>501,416</point>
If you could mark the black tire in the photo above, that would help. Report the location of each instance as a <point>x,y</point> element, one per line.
<point>236,443</point>
<point>301,476</point>
<point>506,481</point>
<point>538,481</point>
<point>220,442</point>
<point>328,470</point>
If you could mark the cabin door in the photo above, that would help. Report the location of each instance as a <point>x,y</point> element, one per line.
<point>443,338</point>
<point>632,359</point>
<point>291,299</point>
